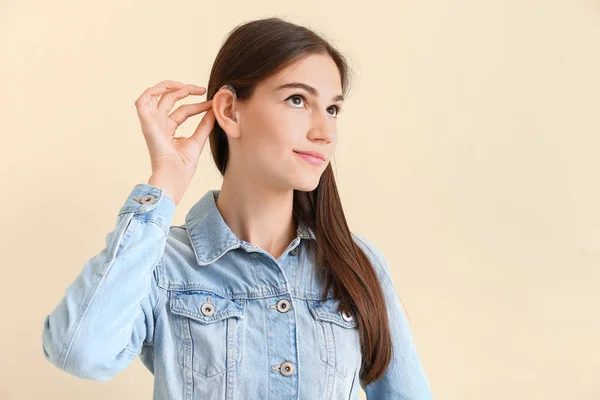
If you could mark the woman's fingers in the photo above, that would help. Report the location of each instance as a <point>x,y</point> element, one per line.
<point>185,111</point>
<point>167,101</point>
<point>158,89</point>
<point>203,130</point>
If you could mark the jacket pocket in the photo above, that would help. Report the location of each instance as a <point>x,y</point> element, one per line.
<point>208,337</point>
<point>338,336</point>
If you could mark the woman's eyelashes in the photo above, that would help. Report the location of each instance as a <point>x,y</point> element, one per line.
<point>337,108</point>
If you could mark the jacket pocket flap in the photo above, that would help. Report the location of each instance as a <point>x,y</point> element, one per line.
<point>205,306</point>
<point>326,310</point>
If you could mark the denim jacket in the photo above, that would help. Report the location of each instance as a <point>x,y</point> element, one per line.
<point>213,317</point>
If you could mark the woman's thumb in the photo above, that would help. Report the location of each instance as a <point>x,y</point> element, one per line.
<point>204,127</point>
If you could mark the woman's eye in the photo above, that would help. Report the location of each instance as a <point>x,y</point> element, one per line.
<point>337,110</point>
<point>298,96</point>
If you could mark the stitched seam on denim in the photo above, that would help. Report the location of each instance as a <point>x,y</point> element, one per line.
<point>113,252</point>
<point>156,311</point>
<point>161,301</point>
<point>185,312</point>
<point>157,223</point>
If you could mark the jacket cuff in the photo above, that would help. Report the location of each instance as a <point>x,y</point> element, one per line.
<point>150,203</point>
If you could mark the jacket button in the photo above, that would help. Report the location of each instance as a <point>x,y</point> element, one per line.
<point>283,305</point>
<point>287,368</point>
<point>207,308</point>
<point>295,250</point>
<point>148,199</point>
<point>347,317</point>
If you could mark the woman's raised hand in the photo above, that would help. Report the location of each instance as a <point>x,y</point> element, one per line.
<point>174,160</point>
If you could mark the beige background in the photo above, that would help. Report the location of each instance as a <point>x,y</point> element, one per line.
<point>468,153</point>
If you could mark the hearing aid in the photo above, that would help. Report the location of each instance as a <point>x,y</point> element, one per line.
<point>232,89</point>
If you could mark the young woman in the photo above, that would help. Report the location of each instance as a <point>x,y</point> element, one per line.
<point>263,292</point>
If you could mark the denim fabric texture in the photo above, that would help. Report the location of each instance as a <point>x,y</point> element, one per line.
<point>213,317</point>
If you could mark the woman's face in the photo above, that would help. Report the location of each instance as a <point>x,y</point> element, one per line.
<point>291,112</point>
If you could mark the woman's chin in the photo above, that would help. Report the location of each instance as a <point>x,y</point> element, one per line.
<point>307,186</point>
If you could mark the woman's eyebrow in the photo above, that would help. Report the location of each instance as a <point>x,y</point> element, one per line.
<point>306,87</point>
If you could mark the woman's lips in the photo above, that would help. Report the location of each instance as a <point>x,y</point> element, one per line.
<point>312,160</point>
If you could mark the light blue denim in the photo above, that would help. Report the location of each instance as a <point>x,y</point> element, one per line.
<point>213,317</point>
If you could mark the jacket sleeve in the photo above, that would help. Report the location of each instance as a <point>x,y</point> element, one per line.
<point>404,378</point>
<point>107,313</point>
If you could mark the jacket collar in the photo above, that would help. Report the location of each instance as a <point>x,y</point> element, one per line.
<point>211,237</point>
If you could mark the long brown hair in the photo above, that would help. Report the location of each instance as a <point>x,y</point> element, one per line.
<point>255,51</point>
